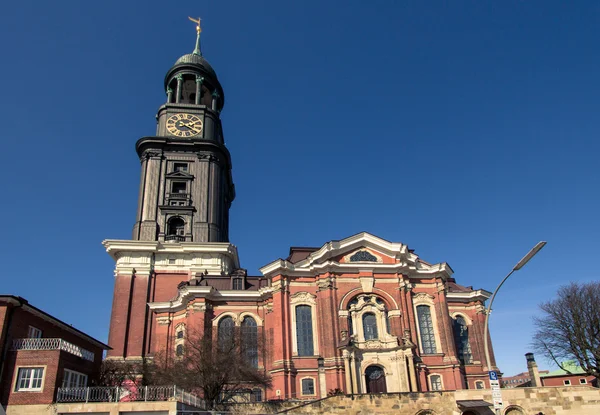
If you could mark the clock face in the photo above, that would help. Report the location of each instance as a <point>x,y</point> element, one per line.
<point>184,125</point>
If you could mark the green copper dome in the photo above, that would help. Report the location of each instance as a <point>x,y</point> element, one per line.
<point>195,59</point>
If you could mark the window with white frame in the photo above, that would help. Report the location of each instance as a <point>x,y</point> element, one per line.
<point>34,333</point>
<point>308,386</point>
<point>567,382</point>
<point>582,381</point>
<point>436,382</point>
<point>426,329</point>
<point>72,379</point>
<point>479,385</point>
<point>29,379</point>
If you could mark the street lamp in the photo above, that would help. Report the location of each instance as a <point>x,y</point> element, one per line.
<point>517,267</point>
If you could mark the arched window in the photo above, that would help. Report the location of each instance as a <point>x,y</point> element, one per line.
<point>369,326</point>
<point>435,382</point>
<point>250,340</point>
<point>479,384</point>
<point>426,329</point>
<point>461,337</point>
<point>304,330</point>
<point>225,333</point>
<point>176,228</point>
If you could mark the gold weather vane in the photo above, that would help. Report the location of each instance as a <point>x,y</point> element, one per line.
<point>198,29</point>
<point>197,50</point>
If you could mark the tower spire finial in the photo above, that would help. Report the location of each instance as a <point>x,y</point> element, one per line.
<point>197,50</point>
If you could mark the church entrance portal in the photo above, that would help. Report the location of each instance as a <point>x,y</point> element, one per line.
<point>375,378</point>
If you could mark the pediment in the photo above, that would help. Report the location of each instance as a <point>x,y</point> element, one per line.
<point>179,175</point>
<point>360,251</point>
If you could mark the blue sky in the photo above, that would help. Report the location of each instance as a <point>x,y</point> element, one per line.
<point>467,130</point>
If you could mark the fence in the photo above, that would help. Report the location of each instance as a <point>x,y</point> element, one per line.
<point>128,394</point>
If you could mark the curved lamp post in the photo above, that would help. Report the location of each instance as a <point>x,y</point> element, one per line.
<point>517,267</point>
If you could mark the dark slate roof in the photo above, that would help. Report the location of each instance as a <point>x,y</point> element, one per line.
<point>299,253</point>
<point>457,288</point>
<point>194,59</point>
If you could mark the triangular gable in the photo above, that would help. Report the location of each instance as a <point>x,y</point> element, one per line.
<point>359,251</point>
<point>179,175</point>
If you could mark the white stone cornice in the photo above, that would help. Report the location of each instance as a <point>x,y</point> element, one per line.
<point>188,258</point>
<point>322,259</point>
<point>297,270</point>
<point>475,295</point>
<point>190,292</point>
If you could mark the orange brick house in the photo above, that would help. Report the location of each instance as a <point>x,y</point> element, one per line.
<point>361,314</point>
<point>39,353</point>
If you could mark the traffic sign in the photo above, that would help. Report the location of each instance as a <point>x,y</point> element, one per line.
<point>493,375</point>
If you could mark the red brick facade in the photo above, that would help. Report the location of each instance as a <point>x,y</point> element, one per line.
<point>58,347</point>
<point>358,278</point>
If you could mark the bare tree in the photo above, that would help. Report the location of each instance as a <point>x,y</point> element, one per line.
<point>215,367</point>
<point>119,373</point>
<point>570,327</point>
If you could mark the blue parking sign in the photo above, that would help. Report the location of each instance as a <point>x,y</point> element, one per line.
<point>493,375</point>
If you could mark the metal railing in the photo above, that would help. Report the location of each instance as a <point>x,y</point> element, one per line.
<point>177,238</point>
<point>178,196</point>
<point>52,344</point>
<point>128,394</point>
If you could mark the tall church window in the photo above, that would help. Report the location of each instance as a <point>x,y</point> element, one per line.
<point>426,329</point>
<point>250,340</point>
<point>461,336</point>
<point>179,350</point>
<point>225,332</point>
<point>304,330</point>
<point>369,326</point>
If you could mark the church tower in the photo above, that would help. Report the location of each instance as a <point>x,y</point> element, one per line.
<point>186,187</point>
<point>181,231</point>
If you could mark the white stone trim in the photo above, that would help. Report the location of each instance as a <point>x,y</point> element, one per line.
<point>376,291</point>
<point>455,314</point>
<point>144,256</point>
<point>234,317</point>
<point>475,295</point>
<point>190,292</point>
<point>322,260</point>
<point>259,321</point>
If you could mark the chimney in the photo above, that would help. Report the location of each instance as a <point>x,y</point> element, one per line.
<point>534,373</point>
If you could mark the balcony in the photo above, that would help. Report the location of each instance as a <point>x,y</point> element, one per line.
<point>174,238</point>
<point>184,196</point>
<point>52,344</point>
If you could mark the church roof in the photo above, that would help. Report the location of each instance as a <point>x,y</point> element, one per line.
<point>196,59</point>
